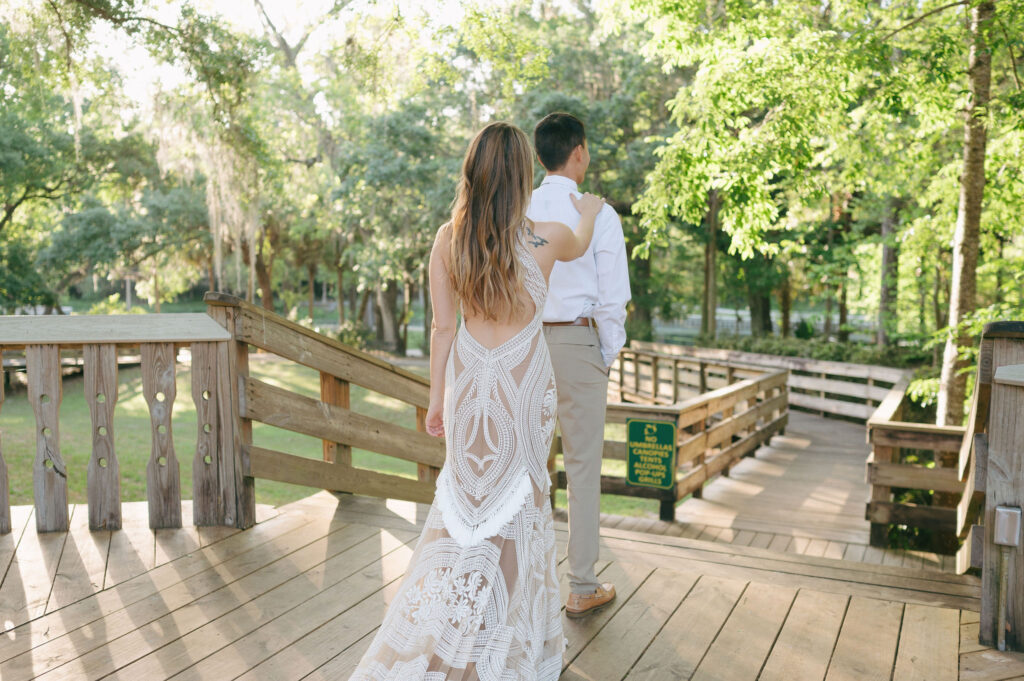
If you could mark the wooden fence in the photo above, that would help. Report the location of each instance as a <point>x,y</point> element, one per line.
<point>837,388</point>
<point>98,341</point>
<point>227,399</point>
<point>715,428</point>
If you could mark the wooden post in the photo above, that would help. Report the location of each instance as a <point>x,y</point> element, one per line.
<point>424,472</point>
<point>163,477</point>
<point>698,460</point>
<point>636,373</point>
<point>879,536</point>
<point>49,475</point>
<point>655,380</point>
<point>1004,486</point>
<point>675,381</point>
<point>5,498</point>
<point>103,478</point>
<point>336,392</point>
<point>821,394</point>
<point>237,489</point>
<point>207,503</point>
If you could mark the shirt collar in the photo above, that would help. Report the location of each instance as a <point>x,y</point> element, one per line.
<point>561,180</point>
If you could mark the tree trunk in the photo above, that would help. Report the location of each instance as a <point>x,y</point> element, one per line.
<point>341,296</point>
<point>844,312</point>
<point>387,303</point>
<point>709,302</point>
<point>210,281</point>
<point>760,304</point>
<point>953,380</point>
<point>156,288</point>
<point>263,275</point>
<point>922,297</point>
<point>890,280</point>
<point>311,273</point>
<point>128,294</point>
<point>364,303</point>
<point>428,312</point>
<point>828,285</point>
<point>785,304</point>
<point>640,323</point>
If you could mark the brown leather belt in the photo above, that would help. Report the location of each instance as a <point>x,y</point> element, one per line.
<point>579,321</point>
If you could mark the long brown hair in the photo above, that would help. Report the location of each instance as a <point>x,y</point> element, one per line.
<point>487,219</point>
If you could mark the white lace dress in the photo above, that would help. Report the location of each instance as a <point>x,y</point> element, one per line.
<point>480,599</point>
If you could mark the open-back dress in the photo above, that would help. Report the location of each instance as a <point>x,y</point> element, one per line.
<point>480,599</point>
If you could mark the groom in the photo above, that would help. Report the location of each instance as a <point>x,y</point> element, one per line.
<point>584,325</point>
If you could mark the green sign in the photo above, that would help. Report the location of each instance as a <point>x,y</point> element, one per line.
<point>651,453</point>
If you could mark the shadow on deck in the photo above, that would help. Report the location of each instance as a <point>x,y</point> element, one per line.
<point>299,596</point>
<point>802,493</point>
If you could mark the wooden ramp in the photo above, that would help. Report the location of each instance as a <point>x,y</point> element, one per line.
<point>300,595</point>
<point>802,493</point>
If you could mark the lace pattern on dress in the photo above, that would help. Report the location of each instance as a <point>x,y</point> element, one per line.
<point>480,599</point>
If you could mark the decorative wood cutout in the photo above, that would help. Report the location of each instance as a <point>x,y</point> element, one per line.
<point>206,501</point>
<point>163,483</point>
<point>49,475</point>
<point>103,473</point>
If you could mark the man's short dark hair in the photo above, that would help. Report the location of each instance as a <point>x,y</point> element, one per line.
<point>555,137</point>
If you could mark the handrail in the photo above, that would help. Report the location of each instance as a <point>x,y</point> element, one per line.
<point>99,338</point>
<point>821,386</point>
<point>714,429</point>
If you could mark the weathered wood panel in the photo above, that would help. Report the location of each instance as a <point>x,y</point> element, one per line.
<point>67,331</point>
<point>1004,487</point>
<point>297,470</point>
<point>104,472</point>
<point>163,478</point>
<point>206,499</point>
<point>49,475</point>
<point>336,392</point>
<point>914,477</point>
<point>916,436</point>
<point>277,407</point>
<point>237,491</point>
<point>273,333</point>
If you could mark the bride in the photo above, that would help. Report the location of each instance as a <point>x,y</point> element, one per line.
<point>480,598</point>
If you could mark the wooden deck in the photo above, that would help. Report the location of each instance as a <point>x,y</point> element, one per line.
<point>299,596</point>
<point>803,493</point>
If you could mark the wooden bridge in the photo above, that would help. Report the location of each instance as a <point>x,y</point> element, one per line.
<point>768,573</point>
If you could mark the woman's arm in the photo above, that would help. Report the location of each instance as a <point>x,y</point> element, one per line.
<point>442,329</point>
<point>569,245</point>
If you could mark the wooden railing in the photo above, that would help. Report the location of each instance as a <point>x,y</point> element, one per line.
<point>991,466</point>
<point>330,418</point>
<point>838,388</point>
<point>227,400</point>
<point>714,429</point>
<point>98,340</point>
<point>898,460</point>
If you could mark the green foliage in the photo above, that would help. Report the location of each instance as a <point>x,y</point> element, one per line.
<point>354,333</point>
<point>113,304</point>
<point>858,353</point>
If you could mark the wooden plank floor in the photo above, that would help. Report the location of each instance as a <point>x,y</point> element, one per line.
<point>803,493</point>
<point>299,596</point>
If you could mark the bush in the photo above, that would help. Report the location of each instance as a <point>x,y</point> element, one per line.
<point>354,333</point>
<point>114,305</point>
<point>900,356</point>
<point>804,330</point>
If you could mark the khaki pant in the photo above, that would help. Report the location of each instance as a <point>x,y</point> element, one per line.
<point>582,383</point>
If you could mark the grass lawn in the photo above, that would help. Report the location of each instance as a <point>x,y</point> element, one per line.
<point>132,437</point>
